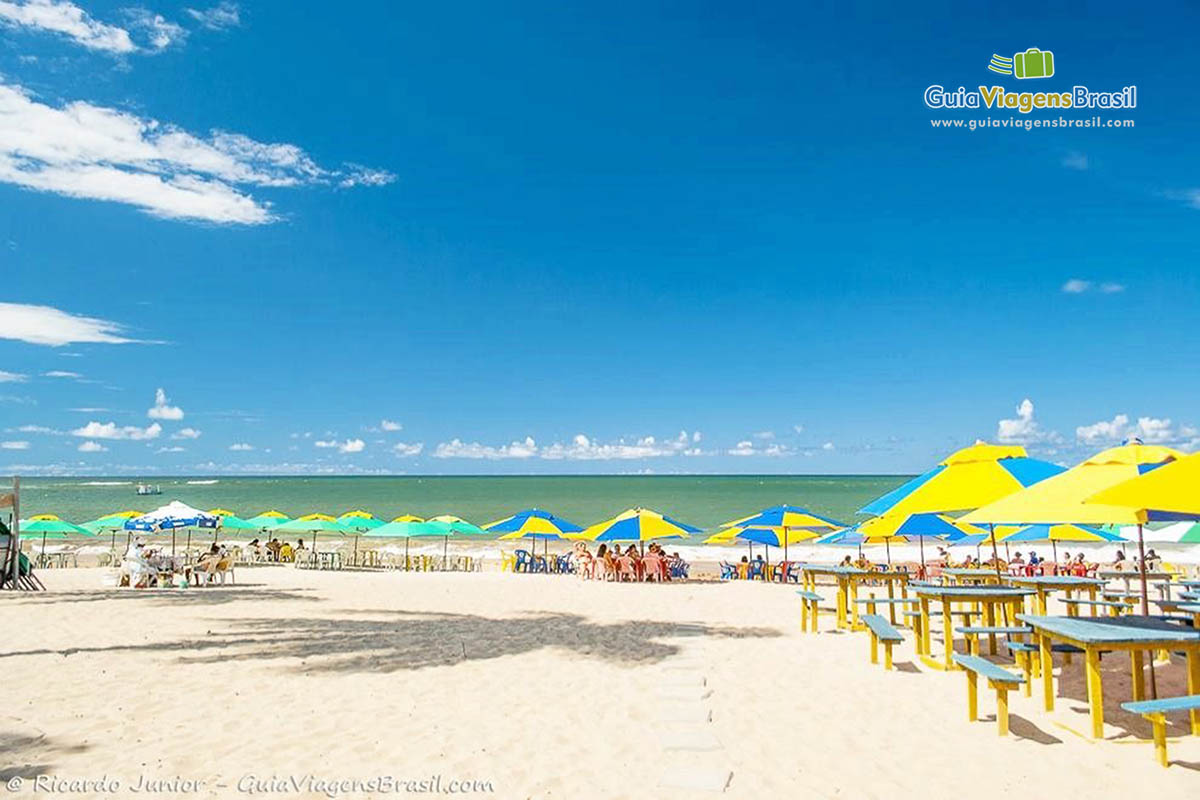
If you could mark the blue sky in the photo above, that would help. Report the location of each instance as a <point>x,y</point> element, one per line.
<point>682,237</point>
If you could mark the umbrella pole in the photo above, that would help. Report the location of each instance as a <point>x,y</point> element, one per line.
<point>887,545</point>
<point>995,553</point>
<point>406,554</point>
<point>354,558</point>
<point>924,574</point>
<point>445,551</point>
<point>43,558</point>
<point>1054,550</point>
<point>113,546</point>
<point>173,540</point>
<point>1146,605</point>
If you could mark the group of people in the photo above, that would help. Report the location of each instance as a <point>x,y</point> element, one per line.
<point>610,564</point>
<point>144,567</point>
<point>274,550</point>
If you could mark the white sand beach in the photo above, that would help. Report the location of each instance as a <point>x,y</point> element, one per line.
<point>540,686</point>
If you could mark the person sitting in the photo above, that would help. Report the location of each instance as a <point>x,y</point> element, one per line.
<point>743,568</point>
<point>135,568</point>
<point>1119,563</point>
<point>284,552</point>
<point>1078,567</point>
<point>654,567</point>
<point>207,564</point>
<point>862,562</point>
<point>273,550</point>
<point>610,561</point>
<point>847,562</point>
<point>676,566</point>
<point>1153,562</point>
<point>585,564</point>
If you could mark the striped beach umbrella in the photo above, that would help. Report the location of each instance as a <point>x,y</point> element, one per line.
<point>636,525</point>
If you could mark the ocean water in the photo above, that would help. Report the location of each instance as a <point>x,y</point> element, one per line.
<point>705,501</point>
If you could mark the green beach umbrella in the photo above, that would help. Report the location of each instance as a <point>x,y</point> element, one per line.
<point>268,520</point>
<point>409,530</point>
<point>314,524</point>
<point>111,523</point>
<point>51,527</point>
<point>359,522</point>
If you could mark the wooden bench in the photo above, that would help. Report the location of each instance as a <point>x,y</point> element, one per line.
<point>808,609</point>
<point>973,632</point>
<point>914,622</point>
<point>881,631</point>
<point>1156,712</point>
<point>998,678</point>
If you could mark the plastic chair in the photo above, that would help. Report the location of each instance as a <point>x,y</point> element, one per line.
<point>524,562</point>
<point>728,571</point>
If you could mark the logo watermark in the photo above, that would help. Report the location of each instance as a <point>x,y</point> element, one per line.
<point>1032,63</point>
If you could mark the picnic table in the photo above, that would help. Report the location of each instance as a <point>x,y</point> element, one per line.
<point>1044,584</point>
<point>848,581</point>
<point>986,598</point>
<point>969,576</point>
<point>1189,583</point>
<point>1134,634</point>
<point>1160,580</point>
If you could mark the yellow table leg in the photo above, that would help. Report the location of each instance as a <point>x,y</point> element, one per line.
<point>972,696</point>
<point>1025,660</point>
<point>989,619</point>
<point>1159,721</point>
<point>1001,708</point>
<point>1095,692</point>
<point>1139,676</point>
<point>853,588</point>
<point>887,655</point>
<point>1193,685</point>
<point>927,646</point>
<point>891,587</point>
<point>1046,661</point>
<point>1091,590</point>
<point>874,648</point>
<point>948,633</point>
<point>841,604</point>
<point>1041,601</point>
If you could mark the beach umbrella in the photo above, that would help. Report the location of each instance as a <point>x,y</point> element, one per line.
<point>533,523</point>
<point>408,529</point>
<point>964,480</point>
<point>455,526</point>
<point>777,525</point>
<point>173,516</point>
<point>112,523</point>
<point>359,522</point>
<point>125,514</point>
<point>1061,533</point>
<point>51,527</point>
<point>268,520</point>
<point>1171,492</point>
<point>314,524</point>
<point>636,525</point>
<point>408,518</point>
<point>233,524</point>
<point>906,527</point>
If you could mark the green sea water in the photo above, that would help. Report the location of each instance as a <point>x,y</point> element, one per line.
<point>705,501</point>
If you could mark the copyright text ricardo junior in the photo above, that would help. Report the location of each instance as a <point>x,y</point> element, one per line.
<point>249,784</point>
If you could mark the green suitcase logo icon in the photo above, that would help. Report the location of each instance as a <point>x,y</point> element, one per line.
<point>1033,63</point>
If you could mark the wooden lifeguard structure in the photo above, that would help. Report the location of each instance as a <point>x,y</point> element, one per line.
<point>10,542</point>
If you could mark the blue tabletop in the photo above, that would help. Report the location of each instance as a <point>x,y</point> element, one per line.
<point>832,569</point>
<point>1061,580</point>
<point>969,591</point>
<point>969,572</point>
<point>1112,630</point>
<point>1189,583</point>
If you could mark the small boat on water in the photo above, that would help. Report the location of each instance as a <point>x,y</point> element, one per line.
<point>146,489</point>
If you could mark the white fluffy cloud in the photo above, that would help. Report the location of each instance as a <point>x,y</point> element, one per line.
<point>186,433</point>
<point>220,17</point>
<point>91,447</point>
<point>110,430</point>
<point>1024,429</point>
<point>60,373</point>
<point>388,425</point>
<point>347,446</point>
<point>456,448</point>
<point>162,410</point>
<point>406,450</point>
<point>98,153</point>
<point>66,19</point>
<point>1080,286</point>
<point>172,449</point>
<point>1151,430</point>
<point>14,445</point>
<point>158,32</point>
<point>747,448</point>
<point>54,327</point>
<point>241,447</point>
<point>12,377</point>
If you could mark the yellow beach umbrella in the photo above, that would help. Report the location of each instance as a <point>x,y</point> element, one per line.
<point>636,525</point>
<point>45,518</point>
<point>273,514</point>
<point>966,479</point>
<point>126,514</point>
<point>222,512</point>
<point>408,518</point>
<point>446,518</point>
<point>1062,498</point>
<point>360,514</point>
<point>321,517</point>
<point>1170,492</point>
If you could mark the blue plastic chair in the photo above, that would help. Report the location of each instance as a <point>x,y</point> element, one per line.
<point>524,561</point>
<point>728,571</point>
<point>756,570</point>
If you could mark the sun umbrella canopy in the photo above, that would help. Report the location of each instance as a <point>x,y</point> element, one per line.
<point>903,527</point>
<point>114,522</point>
<point>637,525</point>
<point>360,521</point>
<point>313,523</point>
<point>532,523</point>
<point>410,530</point>
<point>173,515</point>
<point>972,477</point>
<point>775,536</point>
<point>974,540</point>
<point>125,514</point>
<point>232,522</point>
<point>268,520</point>
<point>408,518</point>
<point>221,512</point>
<point>52,528</point>
<point>786,516</point>
<point>1169,493</point>
<point>1060,499</point>
<point>1062,533</point>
